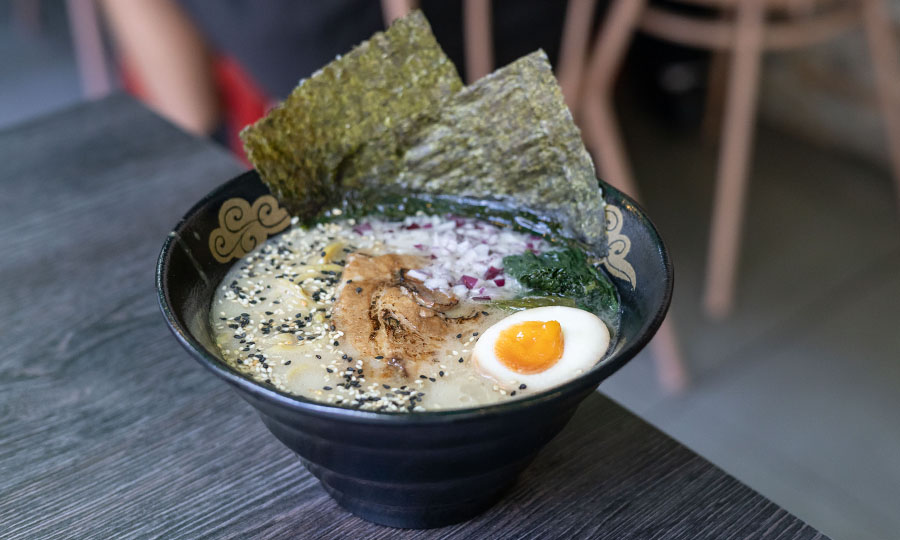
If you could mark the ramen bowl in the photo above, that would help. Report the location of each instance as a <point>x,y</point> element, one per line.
<point>410,470</point>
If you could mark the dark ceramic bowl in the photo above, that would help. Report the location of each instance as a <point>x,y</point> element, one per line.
<point>404,470</point>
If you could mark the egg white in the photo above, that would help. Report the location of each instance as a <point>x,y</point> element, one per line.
<point>585,341</point>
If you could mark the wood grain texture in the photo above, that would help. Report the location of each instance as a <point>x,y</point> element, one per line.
<point>109,430</point>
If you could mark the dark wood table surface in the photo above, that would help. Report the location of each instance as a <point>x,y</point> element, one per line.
<point>108,429</point>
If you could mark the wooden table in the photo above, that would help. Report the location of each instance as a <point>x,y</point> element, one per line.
<point>108,429</point>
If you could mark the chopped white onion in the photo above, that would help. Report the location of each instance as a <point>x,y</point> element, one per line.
<point>456,247</point>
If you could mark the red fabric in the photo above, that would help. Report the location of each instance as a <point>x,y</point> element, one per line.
<point>242,101</point>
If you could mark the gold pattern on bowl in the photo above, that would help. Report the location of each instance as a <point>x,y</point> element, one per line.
<point>618,246</point>
<point>242,226</point>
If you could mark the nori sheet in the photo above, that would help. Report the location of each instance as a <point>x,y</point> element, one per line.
<point>392,117</point>
<point>510,137</point>
<point>342,124</point>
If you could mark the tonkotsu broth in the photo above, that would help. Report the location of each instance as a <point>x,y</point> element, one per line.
<point>274,314</point>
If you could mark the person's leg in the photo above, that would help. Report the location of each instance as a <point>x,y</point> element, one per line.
<point>170,58</point>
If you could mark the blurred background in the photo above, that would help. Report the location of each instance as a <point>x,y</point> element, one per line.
<point>763,136</point>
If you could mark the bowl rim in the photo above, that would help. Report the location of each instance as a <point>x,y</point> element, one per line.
<point>306,406</point>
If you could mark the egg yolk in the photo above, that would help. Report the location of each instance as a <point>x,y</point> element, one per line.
<point>530,346</point>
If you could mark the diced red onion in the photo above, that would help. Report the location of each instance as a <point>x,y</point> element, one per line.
<point>492,272</point>
<point>363,227</point>
<point>500,282</point>
<point>481,298</point>
<point>469,281</point>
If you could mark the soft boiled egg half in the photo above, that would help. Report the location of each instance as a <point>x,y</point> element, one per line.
<point>541,347</point>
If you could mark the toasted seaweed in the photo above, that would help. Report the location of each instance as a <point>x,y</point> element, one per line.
<point>510,137</point>
<point>341,127</point>
<point>392,117</point>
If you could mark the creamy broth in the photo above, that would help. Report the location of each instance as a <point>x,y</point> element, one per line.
<point>278,314</point>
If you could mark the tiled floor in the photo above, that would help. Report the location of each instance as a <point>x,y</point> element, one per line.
<point>796,393</point>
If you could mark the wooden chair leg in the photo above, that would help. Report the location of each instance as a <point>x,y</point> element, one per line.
<point>395,9</point>
<point>573,49</point>
<point>479,43</point>
<point>602,137</point>
<point>600,130</point>
<point>88,41</point>
<point>716,81</point>
<point>883,49</point>
<point>670,367</point>
<point>737,134</point>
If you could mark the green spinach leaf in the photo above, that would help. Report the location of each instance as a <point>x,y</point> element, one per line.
<point>565,273</point>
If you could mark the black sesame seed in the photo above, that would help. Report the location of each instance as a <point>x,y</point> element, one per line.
<point>522,387</point>
<point>460,360</point>
<point>358,290</point>
<point>336,343</point>
<point>458,336</point>
<point>512,393</point>
<point>474,333</point>
<point>379,357</point>
<point>441,373</point>
<point>326,388</point>
<point>386,386</point>
<point>422,377</point>
<point>287,363</point>
<point>432,379</point>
